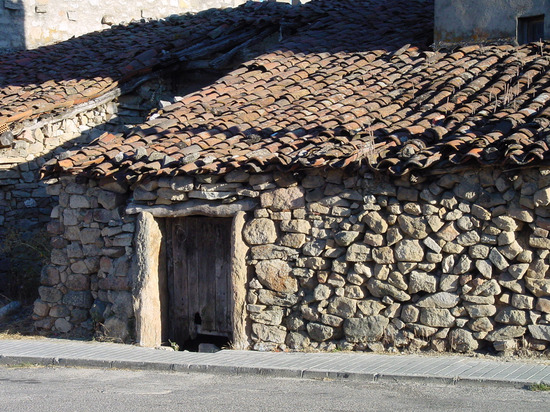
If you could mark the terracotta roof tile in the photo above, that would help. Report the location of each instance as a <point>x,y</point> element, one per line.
<point>342,92</point>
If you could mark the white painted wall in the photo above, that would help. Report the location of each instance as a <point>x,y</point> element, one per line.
<point>473,21</point>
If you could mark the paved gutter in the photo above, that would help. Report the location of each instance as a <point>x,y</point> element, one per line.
<point>368,367</point>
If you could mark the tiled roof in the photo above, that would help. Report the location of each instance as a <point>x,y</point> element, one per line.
<point>54,78</point>
<point>358,85</point>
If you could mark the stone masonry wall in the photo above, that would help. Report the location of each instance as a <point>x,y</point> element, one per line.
<point>87,279</point>
<point>457,262</point>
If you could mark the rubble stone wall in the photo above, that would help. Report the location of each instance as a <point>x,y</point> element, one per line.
<point>457,262</point>
<point>92,246</point>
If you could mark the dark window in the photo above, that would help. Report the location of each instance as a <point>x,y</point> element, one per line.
<point>530,29</point>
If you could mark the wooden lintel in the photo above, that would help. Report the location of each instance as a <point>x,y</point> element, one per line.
<point>194,207</point>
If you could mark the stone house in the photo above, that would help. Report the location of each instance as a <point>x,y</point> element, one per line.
<point>349,188</point>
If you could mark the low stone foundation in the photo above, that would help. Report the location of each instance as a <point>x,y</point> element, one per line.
<point>456,262</point>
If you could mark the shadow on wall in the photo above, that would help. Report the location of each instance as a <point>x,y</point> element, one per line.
<point>12,23</point>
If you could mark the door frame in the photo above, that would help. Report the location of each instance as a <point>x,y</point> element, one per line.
<point>198,265</point>
<point>149,289</point>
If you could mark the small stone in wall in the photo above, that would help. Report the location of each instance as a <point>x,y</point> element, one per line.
<point>467,191</point>
<point>236,176</point>
<point>383,255</point>
<point>109,200</point>
<point>505,333</point>
<point>512,250</point>
<point>346,237</point>
<point>543,304</point>
<point>462,341</point>
<point>478,251</point>
<point>481,325</point>
<point>485,268</point>
<point>421,281</point>
<point>331,320</point>
<point>468,238</point>
<point>297,340</point>
<point>409,251</point>
<point>263,252</point>
<point>342,307</point>
<point>315,247</point>
<point>511,316</point>
<point>51,295</point>
<point>81,299</point>
<point>59,311</point>
<point>40,308</point>
<point>380,289</point>
<point>319,332</point>
<point>542,197</point>
<point>116,328</point>
<point>272,317</point>
<point>322,292</point>
<point>354,292</point>
<point>409,313</point>
<point>375,222</point>
<point>369,307</point>
<point>317,263</point>
<point>490,288</point>
<point>416,227</point>
<point>367,329</point>
<point>505,223</point>
<point>480,311</point>
<point>275,275</point>
<point>296,226</point>
<point>358,253</point>
<point>374,240</point>
<point>90,236</point>
<point>541,332</point>
<point>441,318</point>
<point>62,325</point>
<point>441,300</point>
<point>398,280</point>
<point>284,198</point>
<point>260,231</point>
<point>79,202</point>
<point>293,240</point>
<point>78,282</point>
<point>497,259</point>
<point>143,195</point>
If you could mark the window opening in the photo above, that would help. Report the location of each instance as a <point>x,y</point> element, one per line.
<point>530,29</point>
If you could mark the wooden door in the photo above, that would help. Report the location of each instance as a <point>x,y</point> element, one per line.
<point>198,250</point>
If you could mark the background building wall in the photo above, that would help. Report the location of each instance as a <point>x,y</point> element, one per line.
<point>34,23</point>
<point>472,21</point>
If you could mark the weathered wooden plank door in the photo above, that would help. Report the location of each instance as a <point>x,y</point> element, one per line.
<point>198,251</point>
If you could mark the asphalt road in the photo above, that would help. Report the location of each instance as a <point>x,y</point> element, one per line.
<point>75,389</point>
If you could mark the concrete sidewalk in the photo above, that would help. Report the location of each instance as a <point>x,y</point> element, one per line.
<point>368,367</point>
